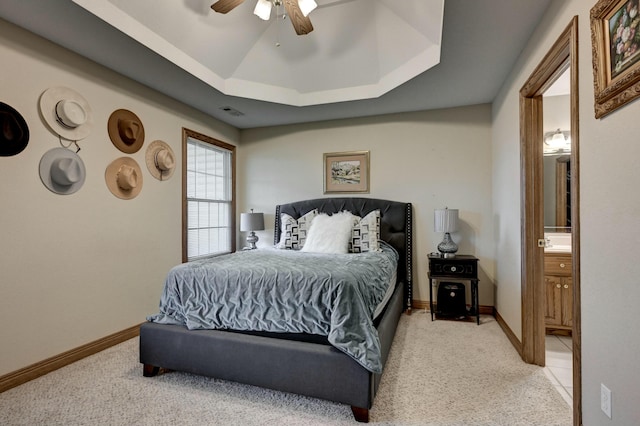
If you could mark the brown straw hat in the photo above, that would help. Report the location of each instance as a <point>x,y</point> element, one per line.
<point>66,113</point>
<point>126,131</point>
<point>124,178</point>
<point>14,132</point>
<point>160,160</point>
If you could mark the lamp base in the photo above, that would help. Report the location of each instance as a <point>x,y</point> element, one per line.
<point>252,239</point>
<point>447,247</point>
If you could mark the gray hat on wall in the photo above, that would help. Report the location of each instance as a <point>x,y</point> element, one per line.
<point>14,132</point>
<point>66,113</point>
<point>62,171</point>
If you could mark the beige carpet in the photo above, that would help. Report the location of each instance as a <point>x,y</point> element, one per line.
<point>439,373</point>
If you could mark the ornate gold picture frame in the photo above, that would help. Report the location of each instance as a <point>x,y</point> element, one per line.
<point>615,38</point>
<point>346,172</point>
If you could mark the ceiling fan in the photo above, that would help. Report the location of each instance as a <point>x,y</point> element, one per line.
<point>297,10</point>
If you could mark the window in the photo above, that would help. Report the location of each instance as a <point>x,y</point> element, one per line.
<point>208,196</point>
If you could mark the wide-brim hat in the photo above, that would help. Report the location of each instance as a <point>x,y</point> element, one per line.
<point>62,171</point>
<point>160,160</point>
<point>125,131</point>
<point>66,113</point>
<point>14,132</point>
<point>124,178</point>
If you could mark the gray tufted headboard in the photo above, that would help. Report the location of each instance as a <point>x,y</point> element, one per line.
<point>396,226</point>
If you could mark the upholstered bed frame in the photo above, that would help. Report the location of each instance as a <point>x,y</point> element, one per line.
<point>292,363</point>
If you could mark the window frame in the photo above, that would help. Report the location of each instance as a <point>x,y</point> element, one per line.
<point>186,134</point>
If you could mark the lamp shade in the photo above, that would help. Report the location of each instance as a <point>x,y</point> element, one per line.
<point>445,220</point>
<point>251,222</point>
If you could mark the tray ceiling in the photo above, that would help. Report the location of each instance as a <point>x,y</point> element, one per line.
<point>479,42</point>
<point>359,49</point>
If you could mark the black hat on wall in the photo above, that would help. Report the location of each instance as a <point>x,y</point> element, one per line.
<point>14,132</point>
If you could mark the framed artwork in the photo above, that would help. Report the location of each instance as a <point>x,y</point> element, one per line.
<point>615,38</point>
<point>346,172</point>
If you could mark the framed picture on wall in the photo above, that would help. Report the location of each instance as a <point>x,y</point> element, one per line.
<point>346,172</point>
<point>615,38</point>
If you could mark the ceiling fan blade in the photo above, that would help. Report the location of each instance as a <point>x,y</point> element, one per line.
<point>301,23</point>
<point>224,6</point>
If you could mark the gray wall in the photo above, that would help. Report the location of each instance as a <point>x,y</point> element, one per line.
<point>432,159</point>
<point>76,268</point>
<point>610,227</point>
<point>79,267</point>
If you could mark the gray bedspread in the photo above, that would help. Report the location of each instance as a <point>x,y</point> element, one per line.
<point>332,295</point>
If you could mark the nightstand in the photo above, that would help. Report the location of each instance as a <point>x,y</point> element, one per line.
<point>462,268</point>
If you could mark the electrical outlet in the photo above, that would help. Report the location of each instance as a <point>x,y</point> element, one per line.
<point>605,400</point>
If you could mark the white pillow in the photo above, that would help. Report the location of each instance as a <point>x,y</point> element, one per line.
<point>329,234</point>
<point>294,232</point>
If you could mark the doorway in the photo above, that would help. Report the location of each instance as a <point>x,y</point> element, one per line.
<point>563,56</point>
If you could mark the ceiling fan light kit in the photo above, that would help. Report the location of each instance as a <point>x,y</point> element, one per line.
<point>297,10</point>
<point>307,6</point>
<point>263,10</point>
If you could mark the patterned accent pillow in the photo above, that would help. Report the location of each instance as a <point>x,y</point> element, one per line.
<point>294,232</point>
<point>365,233</point>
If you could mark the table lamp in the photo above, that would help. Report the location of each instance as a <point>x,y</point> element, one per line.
<point>446,220</point>
<point>251,222</point>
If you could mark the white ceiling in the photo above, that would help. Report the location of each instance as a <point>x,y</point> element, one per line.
<point>364,57</point>
<point>560,87</point>
<point>349,57</point>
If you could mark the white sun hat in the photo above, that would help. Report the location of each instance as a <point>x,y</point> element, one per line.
<point>160,160</point>
<point>66,112</point>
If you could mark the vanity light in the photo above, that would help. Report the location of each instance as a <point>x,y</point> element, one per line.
<point>446,220</point>
<point>558,141</point>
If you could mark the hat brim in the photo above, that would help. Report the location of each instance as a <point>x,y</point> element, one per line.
<point>9,148</point>
<point>45,171</point>
<point>150,156</point>
<point>114,134</point>
<point>48,101</point>
<point>111,178</point>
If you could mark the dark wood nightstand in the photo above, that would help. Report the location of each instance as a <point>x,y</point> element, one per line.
<point>459,268</point>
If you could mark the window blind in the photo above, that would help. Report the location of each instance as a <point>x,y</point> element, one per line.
<point>209,198</point>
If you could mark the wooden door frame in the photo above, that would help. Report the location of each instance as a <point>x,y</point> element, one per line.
<point>563,55</point>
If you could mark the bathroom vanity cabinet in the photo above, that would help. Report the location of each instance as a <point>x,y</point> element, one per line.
<point>558,291</point>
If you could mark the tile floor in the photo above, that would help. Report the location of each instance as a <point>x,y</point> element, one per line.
<point>559,365</point>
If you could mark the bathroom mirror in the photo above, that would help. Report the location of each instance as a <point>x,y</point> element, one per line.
<point>557,156</point>
<point>557,193</point>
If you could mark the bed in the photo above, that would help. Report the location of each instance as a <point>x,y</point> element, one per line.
<point>304,363</point>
